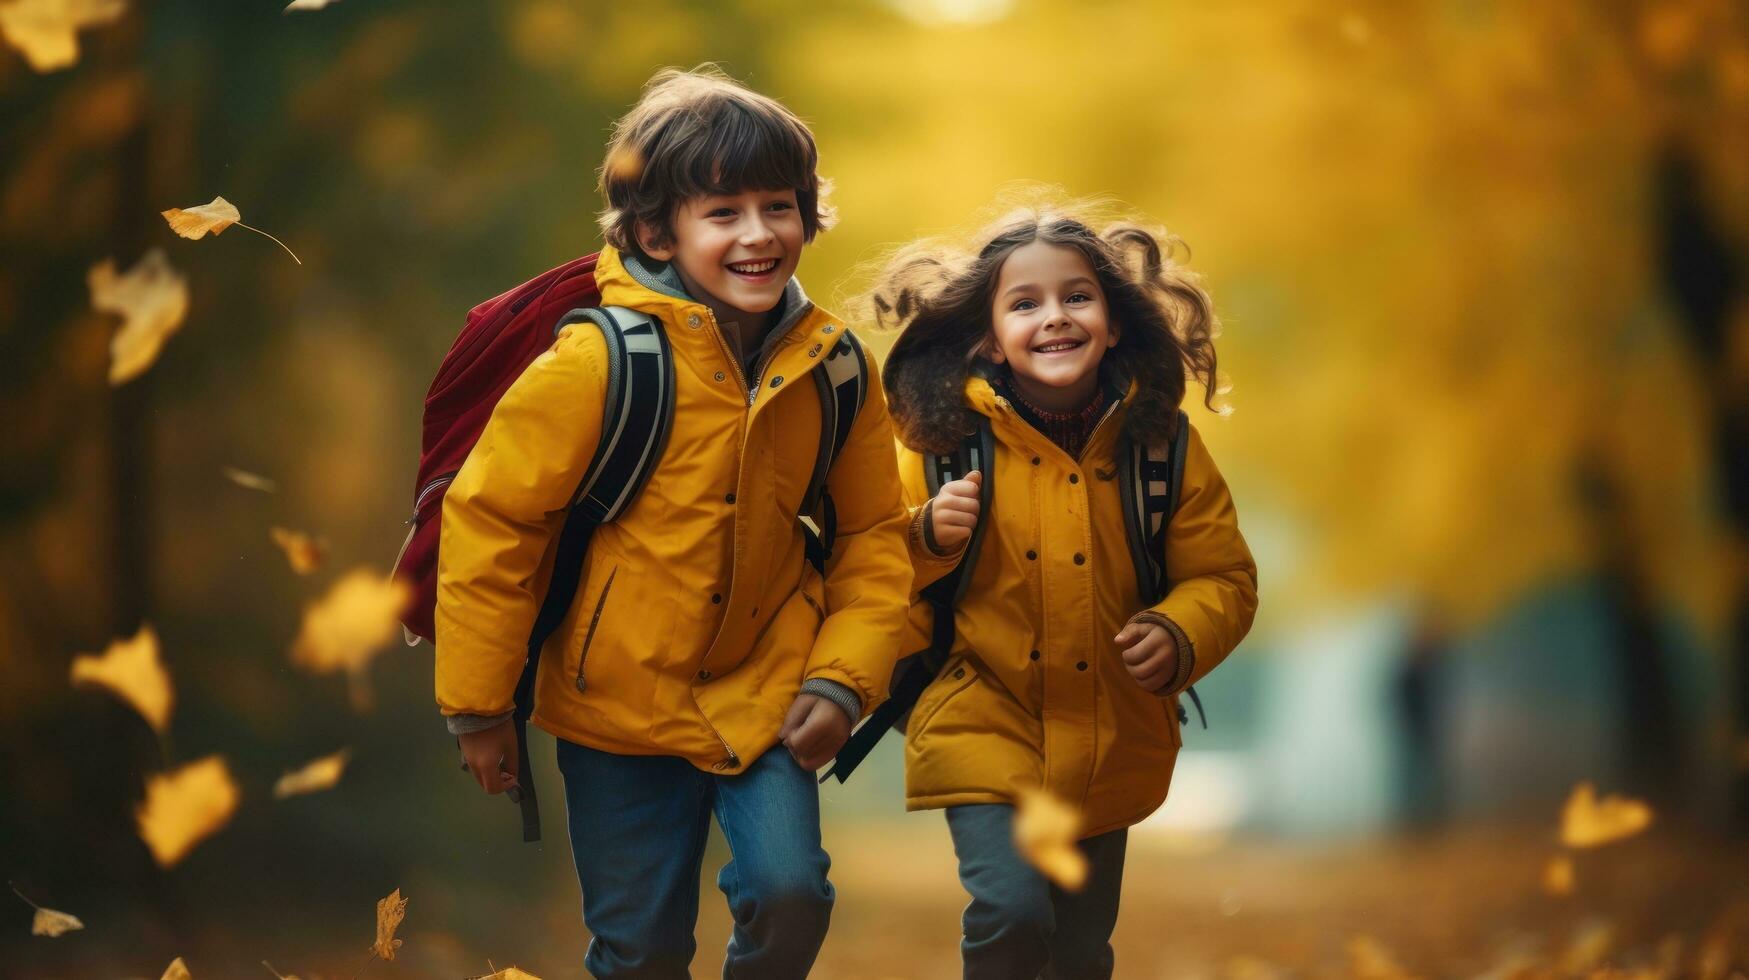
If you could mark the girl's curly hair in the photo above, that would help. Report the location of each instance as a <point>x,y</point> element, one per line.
<point>942,296</point>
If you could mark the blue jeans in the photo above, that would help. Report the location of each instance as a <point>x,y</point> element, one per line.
<point>638,826</point>
<point>1019,925</point>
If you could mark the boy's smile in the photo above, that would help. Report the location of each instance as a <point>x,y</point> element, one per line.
<point>736,252</point>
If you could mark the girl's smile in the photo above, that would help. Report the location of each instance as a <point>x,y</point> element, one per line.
<point>1050,325</point>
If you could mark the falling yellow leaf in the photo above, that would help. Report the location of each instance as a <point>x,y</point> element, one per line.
<point>185,806</point>
<point>48,922</point>
<point>177,970</point>
<point>1045,831</point>
<point>281,976</point>
<point>345,628</point>
<point>390,912</point>
<point>250,481</point>
<point>307,5</point>
<point>1558,876</point>
<point>318,775</point>
<point>1369,960</point>
<point>152,299</point>
<point>132,670</point>
<point>1589,822</point>
<point>215,216</point>
<point>197,221</point>
<point>46,32</point>
<point>305,553</point>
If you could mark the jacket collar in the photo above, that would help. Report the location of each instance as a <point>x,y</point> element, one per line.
<point>655,287</point>
<point>982,397</point>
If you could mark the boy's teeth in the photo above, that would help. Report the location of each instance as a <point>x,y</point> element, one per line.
<point>754,268</point>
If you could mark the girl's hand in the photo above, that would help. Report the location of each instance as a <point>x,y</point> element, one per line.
<point>1149,653</point>
<point>954,512</point>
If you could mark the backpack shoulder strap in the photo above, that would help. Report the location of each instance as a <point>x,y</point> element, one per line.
<point>638,410</point>
<point>1150,479</point>
<point>976,452</point>
<point>841,380</point>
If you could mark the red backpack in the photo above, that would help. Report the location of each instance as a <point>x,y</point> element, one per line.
<point>501,339</point>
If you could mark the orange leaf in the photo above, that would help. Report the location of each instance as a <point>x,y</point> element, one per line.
<point>1589,822</point>
<point>390,912</point>
<point>132,670</point>
<point>46,32</point>
<point>186,806</point>
<point>197,221</point>
<point>177,970</point>
<point>345,628</point>
<point>1045,831</point>
<point>1558,876</point>
<point>318,775</point>
<point>305,553</point>
<point>48,922</point>
<point>152,299</point>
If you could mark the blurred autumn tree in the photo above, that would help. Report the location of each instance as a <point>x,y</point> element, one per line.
<point>1480,264</point>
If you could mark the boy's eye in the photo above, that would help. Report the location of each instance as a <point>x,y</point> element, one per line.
<point>721,213</point>
<point>779,206</point>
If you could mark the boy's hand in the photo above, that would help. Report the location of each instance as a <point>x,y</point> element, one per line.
<point>1149,653</point>
<point>490,755</point>
<point>954,512</point>
<point>814,730</point>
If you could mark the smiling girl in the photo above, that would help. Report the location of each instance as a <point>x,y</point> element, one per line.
<point>1073,346</point>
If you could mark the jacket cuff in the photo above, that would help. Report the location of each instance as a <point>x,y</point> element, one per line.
<point>923,538</point>
<point>838,694</point>
<point>465,724</point>
<point>1186,666</point>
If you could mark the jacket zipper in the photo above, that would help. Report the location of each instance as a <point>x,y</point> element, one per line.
<point>594,621</point>
<point>1110,410</point>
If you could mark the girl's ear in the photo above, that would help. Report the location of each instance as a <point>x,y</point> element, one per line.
<point>655,244</point>
<point>990,350</point>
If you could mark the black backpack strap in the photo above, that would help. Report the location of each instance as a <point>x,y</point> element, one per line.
<point>1151,480</point>
<point>637,415</point>
<point>914,674</point>
<point>842,383</point>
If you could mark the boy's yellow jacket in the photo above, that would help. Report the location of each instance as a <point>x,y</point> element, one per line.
<point>1035,692</point>
<point>697,618</point>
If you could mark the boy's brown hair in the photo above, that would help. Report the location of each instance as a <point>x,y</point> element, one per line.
<point>700,132</point>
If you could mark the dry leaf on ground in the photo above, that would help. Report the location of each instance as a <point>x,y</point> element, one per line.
<point>305,553</point>
<point>390,912</point>
<point>318,775</point>
<point>1045,831</point>
<point>1587,821</point>
<point>1369,960</point>
<point>177,970</point>
<point>151,299</point>
<point>133,670</point>
<point>185,806</point>
<point>508,973</point>
<point>215,216</point>
<point>250,481</point>
<point>46,32</point>
<point>1558,876</point>
<point>344,629</point>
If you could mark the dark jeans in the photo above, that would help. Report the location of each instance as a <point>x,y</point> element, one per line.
<point>638,826</point>
<point>1019,925</point>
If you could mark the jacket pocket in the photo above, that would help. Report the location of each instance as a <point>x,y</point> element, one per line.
<point>956,675</point>
<point>594,624</point>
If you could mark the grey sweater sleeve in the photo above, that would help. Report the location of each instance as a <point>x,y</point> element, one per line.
<point>469,724</point>
<point>836,693</point>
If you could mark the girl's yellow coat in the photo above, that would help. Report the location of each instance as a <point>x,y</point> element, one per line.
<point>697,618</point>
<point>1035,692</point>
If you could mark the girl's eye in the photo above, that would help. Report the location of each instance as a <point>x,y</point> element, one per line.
<point>1024,305</point>
<point>1080,298</point>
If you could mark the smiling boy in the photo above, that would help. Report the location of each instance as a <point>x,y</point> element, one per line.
<point>704,667</point>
